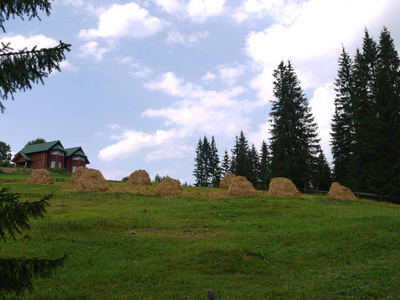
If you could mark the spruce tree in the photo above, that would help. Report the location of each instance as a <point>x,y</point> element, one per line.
<point>254,167</point>
<point>199,171</point>
<point>240,162</point>
<point>16,274</point>
<point>265,167</point>
<point>226,163</point>
<point>342,135</point>
<point>214,169</point>
<point>322,175</point>
<point>294,141</point>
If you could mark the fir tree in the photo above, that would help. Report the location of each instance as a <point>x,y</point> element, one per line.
<point>294,141</point>
<point>226,163</point>
<point>322,176</point>
<point>16,274</point>
<point>240,163</point>
<point>265,167</point>
<point>214,169</point>
<point>342,135</point>
<point>254,167</point>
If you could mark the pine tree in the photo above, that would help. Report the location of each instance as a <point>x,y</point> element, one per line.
<point>294,141</point>
<point>240,163</point>
<point>226,163</point>
<point>16,274</point>
<point>322,176</point>
<point>265,167</point>
<point>20,69</point>
<point>199,167</point>
<point>342,135</point>
<point>254,167</point>
<point>214,169</point>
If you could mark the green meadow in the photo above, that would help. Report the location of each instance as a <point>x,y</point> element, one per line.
<point>129,243</point>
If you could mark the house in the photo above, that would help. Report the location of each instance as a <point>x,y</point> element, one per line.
<point>51,155</point>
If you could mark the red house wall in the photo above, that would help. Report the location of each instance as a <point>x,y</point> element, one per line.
<point>69,163</point>
<point>39,160</point>
<point>57,159</point>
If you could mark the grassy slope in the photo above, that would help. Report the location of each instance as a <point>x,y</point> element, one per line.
<point>130,244</point>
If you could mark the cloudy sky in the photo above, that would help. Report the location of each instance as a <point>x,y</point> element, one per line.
<point>146,79</point>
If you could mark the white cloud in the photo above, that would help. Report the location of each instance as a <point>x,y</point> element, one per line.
<point>139,70</point>
<point>74,3</point>
<point>230,74</point>
<point>19,42</point>
<point>160,145</point>
<point>114,126</point>
<point>93,49</point>
<point>124,21</point>
<point>322,107</point>
<point>197,10</point>
<point>175,37</point>
<point>209,76</point>
<point>200,110</point>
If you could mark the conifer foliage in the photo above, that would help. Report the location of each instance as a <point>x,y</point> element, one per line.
<point>20,69</point>
<point>207,171</point>
<point>16,274</point>
<point>294,140</point>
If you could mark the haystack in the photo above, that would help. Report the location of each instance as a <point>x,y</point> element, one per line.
<point>91,181</point>
<point>339,191</point>
<point>41,176</point>
<point>226,181</point>
<point>241,187</point>
<point>169,187</point>
<point>77,173</point>
<point>139,177</point>
<point>282,187</point>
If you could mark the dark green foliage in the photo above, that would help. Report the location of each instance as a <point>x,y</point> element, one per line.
<point>16,274</point>
<point>226,163</point>
<point>343,130</point>
<point>157,178</point>
<point>240,160</point>
<point>207,171</point>
<point>322,176</point>
<point>20,69</point>
<point>294,143</point>
<point>265,167</point>
<point>34,142</point>
<point>214,169</point>
<point>5,154</point>
<point>254,167</point>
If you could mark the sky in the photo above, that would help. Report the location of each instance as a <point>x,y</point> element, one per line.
<point>146,79</point>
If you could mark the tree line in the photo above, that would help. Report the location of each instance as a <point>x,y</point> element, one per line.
<point>365,136</point>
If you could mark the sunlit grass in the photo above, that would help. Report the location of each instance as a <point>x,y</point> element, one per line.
<point>130,243</point>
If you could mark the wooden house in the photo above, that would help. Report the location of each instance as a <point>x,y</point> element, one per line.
<point>51,155</point>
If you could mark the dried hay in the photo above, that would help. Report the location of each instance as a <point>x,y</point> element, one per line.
<point>226,181</point>
<point>241,187</point>
<point>77,173</point>
<point>169,187</point>
<point>338,191</point>
<point>91,181</point>
<point>282,187</point>
<point>139,177</point>
<point>40,176</point>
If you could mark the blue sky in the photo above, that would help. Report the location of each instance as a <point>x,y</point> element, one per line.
<point>146,79</point>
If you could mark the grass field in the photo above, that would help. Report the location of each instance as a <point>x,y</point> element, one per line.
<point>131,244</point>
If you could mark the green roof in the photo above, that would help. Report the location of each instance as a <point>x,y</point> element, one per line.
<point>75,151</point>
<point>56,145</point>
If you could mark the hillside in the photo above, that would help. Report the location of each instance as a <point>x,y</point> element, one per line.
<point>131,244</point>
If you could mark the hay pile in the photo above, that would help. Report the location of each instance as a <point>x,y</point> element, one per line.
<point>139,177</point>
<point>282,187</point>
<point>41,176</point>
<point>338,191</point>
<point>169,187</point>
<point>91,181</point>
<point>226,181</point>
<point>240,187</point>
<point>77,173</point>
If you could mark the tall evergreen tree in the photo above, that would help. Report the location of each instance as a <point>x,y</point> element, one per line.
<point>199,171</point>
<point>254,167</point>
<point>294,141</point>
<point>240,163</point>
<point>322,175</point>
<point>342,135</point>
<point>226,163</point>
<point>265,167</point>
<point>214,168</point>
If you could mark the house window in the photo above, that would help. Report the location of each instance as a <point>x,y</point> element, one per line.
<point>78,157</point>
<point>73,169</point>
<point>57,152</point>
<point>53,164</point>
<point>59,165</point>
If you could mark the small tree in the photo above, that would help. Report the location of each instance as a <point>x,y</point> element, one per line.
<point>5,154</point>
<point>265,167</point>
<point>16,274</point>
<point>35,142</point>
<point>226,163</point>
